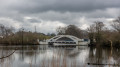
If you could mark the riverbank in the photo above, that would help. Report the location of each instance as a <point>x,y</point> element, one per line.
<point>24,38</point>
<point>107,44</point>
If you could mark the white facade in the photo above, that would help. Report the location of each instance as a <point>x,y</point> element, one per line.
<point>55,39</point>
<point>65,40</point>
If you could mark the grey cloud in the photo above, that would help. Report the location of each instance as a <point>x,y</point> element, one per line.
<point>34,21</point>
<point>64,11</point>
<point>36,6</point>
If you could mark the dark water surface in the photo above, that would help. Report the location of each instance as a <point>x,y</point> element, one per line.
<point>44,56</point>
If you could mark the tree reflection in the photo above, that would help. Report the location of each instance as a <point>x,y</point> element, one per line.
<point>103,56</point>
<point>116,55</point>
<point>6,57</point>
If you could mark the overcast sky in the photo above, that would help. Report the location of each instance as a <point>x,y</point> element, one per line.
<point>47,15</point>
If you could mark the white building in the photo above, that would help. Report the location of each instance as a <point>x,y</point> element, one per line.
<point>64,40</point>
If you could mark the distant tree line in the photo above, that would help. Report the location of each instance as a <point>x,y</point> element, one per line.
<point>98,34</point>
<point>72,30</point>
<point>6,31</point>
<point>10,37</point>
<point>103,35</point>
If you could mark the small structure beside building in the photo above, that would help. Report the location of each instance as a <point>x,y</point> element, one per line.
<point>1,36</point>
<point>65,40</point>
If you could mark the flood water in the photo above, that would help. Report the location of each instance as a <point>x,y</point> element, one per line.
<point>44,56</point>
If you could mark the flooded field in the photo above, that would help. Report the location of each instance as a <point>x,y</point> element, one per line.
<point>44,56</point>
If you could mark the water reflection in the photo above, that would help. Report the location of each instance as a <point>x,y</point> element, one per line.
<point>44,56</point>
<point>103,56</point>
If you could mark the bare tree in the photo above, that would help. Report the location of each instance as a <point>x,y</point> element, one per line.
<point>6,31</point>
<point>70,30</point>
<point>95,31</point>
<point>2,30</point>
<point>61,30</point>
<point>99,26</point>
<point>99,29</point>
<point>73,30</point>
<point>91,33</point>
<point>116,24</point>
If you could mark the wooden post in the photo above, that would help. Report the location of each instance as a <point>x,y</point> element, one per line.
<point>111,43</point>
<point>111,46</point>
<point>22,36</point>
